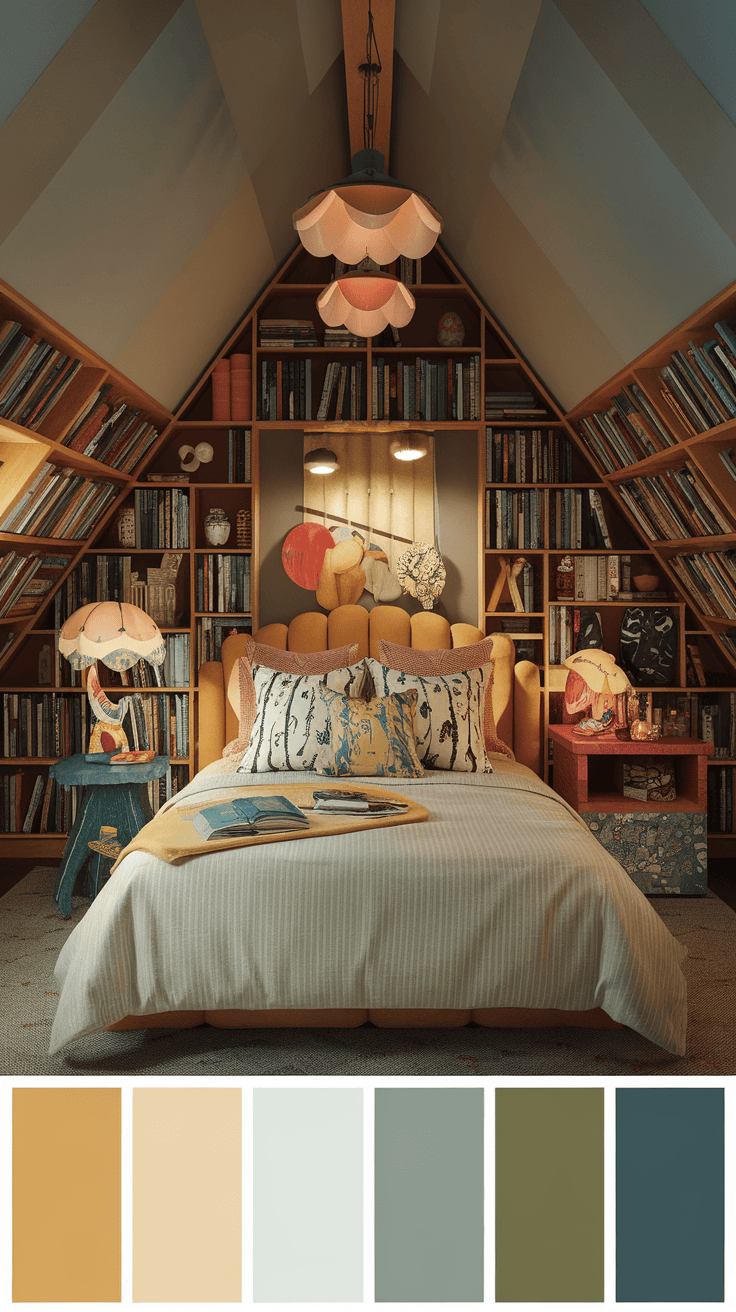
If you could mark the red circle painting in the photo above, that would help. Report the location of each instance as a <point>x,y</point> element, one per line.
<point>304,551</point>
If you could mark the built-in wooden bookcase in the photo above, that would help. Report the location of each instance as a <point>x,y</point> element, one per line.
<point>486,365</point>
<point>691,431</point>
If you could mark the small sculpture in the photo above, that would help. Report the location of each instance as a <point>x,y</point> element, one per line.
<point>217,527</point>
<point>450,329</point>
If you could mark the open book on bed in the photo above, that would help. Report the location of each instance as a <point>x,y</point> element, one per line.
<point>249,815</point>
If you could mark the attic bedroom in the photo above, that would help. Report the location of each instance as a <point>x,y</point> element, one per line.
<point>368,426</point>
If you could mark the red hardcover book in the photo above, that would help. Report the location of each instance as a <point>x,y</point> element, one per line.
<point>241,378</point>
<point>221,390</point>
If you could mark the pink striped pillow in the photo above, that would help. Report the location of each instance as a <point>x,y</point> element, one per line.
<point>450,660</point>
<point>241,691</point>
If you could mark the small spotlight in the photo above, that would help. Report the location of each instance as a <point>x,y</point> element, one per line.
<point>320,461</point>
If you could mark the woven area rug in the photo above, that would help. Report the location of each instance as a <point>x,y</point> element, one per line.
<point>33,934</point>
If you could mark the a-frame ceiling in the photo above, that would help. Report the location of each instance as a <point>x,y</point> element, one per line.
<point>581,152</point>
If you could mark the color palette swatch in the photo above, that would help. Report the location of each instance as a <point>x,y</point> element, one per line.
<point>307,1195</point>
<point>670,1189</point>
<point>66,1195</point>
<point>549,1195</point>
<point>429,1195</point>
<point>187,1195</point>
<point>376,1194</point>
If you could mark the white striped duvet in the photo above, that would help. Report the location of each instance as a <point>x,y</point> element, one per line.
<point>502,898</point>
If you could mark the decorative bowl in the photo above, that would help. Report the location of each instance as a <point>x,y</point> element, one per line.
<point>646,582</point>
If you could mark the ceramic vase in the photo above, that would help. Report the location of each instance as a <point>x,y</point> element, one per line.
<point>217,527</point>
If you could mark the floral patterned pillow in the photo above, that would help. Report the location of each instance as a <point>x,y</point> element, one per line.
<point>373,737</point>
<point>291,722</point>
<point>448,720</point>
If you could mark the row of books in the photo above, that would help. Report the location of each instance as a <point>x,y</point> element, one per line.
<point>427,390</point>
<point>699,383</point>
<point>222,583</point>
<point>176,665</point>
<point>59,503</point>
<point>161,518</point>
<point>96,578</point>
<point>24,579</point>
<point>111,431</point>
<point>238,455</point>
<point>514,520</point>
<point>285,389</point>
<point>212,632</point>
<point>564,629</point>
<point>512,405</point>
<point>528,455</point>
<point>343,391</point>
<point>714,719</point>
<point>673,505</point>
<point>710,578</point>
<point>342,336</point>
<point>159,720</point>
<point>524,633</point>
<point>24,814</point>
<point>44,724</point>
<point>720,800</point>
<point>577,520</point>
<point>628,431</point>
<point>33,375</point>
<point>594,578</point>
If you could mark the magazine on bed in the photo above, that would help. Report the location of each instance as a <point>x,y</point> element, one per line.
<point>244,816</point>
<point>350,802</point>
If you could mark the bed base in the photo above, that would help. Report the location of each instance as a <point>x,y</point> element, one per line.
<point>384,1018</point>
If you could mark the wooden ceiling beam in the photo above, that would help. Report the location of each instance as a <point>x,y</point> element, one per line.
<point>355,31</point>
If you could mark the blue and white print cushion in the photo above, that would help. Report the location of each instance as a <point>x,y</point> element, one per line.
<point>448,720</point>
<point>373,737</point>
<point>291,722</point>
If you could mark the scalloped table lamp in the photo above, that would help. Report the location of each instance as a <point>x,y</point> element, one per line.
<point>119,635</point>
<point>593,684</point>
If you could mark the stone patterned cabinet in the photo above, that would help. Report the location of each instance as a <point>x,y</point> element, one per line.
<point>663,846</point>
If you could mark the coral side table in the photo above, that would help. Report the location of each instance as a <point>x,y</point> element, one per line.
<point>663,846</point>
<point>113,794</point>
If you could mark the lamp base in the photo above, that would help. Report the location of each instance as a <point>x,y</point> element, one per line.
<point>107,738</point>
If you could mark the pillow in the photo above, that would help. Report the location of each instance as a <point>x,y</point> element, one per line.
<point>451,660</point>
<point>241,692</point>
<point>290,724</point>
<point>370,737</point>
<point>448,720</point>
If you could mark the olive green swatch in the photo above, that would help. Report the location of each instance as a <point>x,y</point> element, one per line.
<point>549,1195</point>
<point>429,1195</point>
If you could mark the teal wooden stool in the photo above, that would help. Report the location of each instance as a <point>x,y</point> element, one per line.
<point>113,795</point>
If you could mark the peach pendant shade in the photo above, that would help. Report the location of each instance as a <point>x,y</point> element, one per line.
<point>366,303</point>
<point>368,212</point>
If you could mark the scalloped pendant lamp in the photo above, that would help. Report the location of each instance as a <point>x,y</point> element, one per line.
<point>371,218</point>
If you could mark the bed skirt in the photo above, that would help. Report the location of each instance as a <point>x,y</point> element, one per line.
<point>385,1018</point>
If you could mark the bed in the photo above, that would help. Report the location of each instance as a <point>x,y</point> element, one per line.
<point>502,909</point>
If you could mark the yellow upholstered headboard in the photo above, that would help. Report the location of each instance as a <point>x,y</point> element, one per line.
<point>515,690</point>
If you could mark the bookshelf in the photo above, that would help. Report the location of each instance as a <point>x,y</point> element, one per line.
<point>542,490</point>
<point>679,397</point>
<point>73,431</point>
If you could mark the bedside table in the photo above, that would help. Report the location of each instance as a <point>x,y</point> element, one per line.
<point>663,846</point>
<point>128,808</point>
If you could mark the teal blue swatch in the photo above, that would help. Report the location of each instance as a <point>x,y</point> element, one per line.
<point>669,1195</point>
<point>429,1195</point>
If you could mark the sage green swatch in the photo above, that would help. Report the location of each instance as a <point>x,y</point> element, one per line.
<point>549,1195</point>
<point>429,1195</point>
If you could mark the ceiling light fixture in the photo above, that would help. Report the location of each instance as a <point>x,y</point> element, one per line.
<point>371,215</point>
<point>409,446</point>
<point>320,461</point>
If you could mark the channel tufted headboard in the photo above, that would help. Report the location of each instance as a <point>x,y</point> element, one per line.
<point>516,701</point>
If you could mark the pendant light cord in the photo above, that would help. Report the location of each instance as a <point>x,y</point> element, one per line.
<point>371,70</point>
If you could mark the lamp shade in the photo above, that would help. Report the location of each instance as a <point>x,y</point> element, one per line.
<point>597,669</point>
<point>320,461</point>
<point>114,632</point>
<point>366,303</point>
<point>410,446</point>
<point>369,212</point>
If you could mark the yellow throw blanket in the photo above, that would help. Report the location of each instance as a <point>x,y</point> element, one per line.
<point>172,837</point>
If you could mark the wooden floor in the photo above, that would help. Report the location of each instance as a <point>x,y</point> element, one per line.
<point>721,876</point>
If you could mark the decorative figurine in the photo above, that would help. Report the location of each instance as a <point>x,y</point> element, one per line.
<point>217,527</point>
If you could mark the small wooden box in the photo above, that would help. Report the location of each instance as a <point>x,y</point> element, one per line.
<point>646,778</point>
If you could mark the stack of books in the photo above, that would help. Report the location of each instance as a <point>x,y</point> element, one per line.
<point>33,375</point>
<point>59,504</point>
<point>222,583</point>
<point>286,333</point>
<point>512,405</point>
